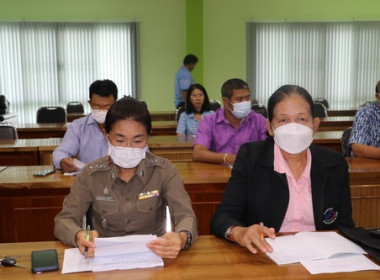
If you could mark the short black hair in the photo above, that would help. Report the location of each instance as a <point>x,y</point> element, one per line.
<point>190,59</point>
<point>128,108</point>
<point>231,84</point>
<point>103,88</point>
<point>189,108</point>
<point>286,91</point>
<point>378,87</point>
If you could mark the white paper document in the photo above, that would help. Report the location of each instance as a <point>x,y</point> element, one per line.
<point>305,246</point>
<point>78,164</point>
<point>112,253</point>
<point>345,263</point>
<point>320,252</point>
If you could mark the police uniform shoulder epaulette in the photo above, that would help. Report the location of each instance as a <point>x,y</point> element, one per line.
<point>102,164</point>
<point>156,161</point>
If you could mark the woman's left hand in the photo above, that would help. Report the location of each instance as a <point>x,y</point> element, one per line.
<point>168,245</point>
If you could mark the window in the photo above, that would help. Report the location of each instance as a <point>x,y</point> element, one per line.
<point>51,64</point>
<point>338,61</point>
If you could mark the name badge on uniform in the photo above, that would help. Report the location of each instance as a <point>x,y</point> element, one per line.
<point>105,198</point>
<point>149,194</point>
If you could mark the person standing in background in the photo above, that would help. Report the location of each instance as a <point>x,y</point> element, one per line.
<point>183,80</point>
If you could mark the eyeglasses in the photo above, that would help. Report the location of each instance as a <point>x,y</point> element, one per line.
<point>98,107</point>
<point>121,142</point>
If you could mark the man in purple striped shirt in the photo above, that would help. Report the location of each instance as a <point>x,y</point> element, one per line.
<point>85,137</point>
<point>220,135</point>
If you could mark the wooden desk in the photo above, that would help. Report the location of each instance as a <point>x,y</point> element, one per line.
<point>341,112</point>
<point>162,115</point>
<point>208,258</point>
<point>43,130</point>
<point>173,147</point>
<point>39,151</point>
<point>57,130</point>
<point>365,191</point>
<point>329,139</point>
<point>164,128</point>
<point>27,151</point>
<point>17,152</point>
<point>25,198</point>
<point>335,123</point>
<point>73,116</point>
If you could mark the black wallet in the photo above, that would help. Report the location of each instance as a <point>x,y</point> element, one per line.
<point>44,260</point>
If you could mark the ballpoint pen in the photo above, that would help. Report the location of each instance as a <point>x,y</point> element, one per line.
<point>262,234</point>
<point>87,239</point>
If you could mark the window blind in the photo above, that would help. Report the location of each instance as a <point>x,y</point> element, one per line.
<point>51,64</point>
<point>339,61</point>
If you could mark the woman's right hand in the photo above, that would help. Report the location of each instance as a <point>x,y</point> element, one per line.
<point>81,241</point>
<point>253,237</point>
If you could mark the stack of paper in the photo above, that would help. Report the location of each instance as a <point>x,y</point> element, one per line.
<point>313,248</point>
<point>112,253</point>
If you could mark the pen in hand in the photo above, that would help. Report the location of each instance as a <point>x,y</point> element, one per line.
<point>87,239</point>
<point>262,234</point>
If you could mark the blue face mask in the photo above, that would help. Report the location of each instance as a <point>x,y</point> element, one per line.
<point>241,109</point>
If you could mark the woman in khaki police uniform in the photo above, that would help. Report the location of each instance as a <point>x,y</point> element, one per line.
<point>129,190</point>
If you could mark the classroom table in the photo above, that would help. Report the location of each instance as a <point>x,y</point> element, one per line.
<point>331,112</point>
<point>173,147</point>
<point>335,123</point>
<point>208,258</point>
<point>57,130</point>
<point>329,139</point>
<point>39,151</point>
<point>154,115</point>
<point>26,151</point>
<point>25,198</point>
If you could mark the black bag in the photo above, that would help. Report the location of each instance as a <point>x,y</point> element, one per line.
<point>363,238</point>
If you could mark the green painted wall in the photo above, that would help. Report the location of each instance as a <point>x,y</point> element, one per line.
<point>194,35</point>
<point>162,34</point>
<point>214,30</point>
<point>225,28</point>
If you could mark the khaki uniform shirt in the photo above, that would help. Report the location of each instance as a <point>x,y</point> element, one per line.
<point>121,208</point>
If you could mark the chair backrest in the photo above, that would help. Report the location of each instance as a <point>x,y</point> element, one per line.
<point>260,109</point>
<point>346,149</point>
<point>52,114</point>
<point>215,104</point>
<point>74,107</point>
<point>320,110</point>
<point>322,101</point>
<point>8,131</point>
<point>178,113</point>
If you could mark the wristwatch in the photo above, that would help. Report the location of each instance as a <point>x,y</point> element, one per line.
<point>189,239</point>
<point>228,232</point>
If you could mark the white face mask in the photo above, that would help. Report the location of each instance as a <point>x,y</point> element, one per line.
<point>241,109</point>
<point>293,137</point>
<point>99,115</point>
<point>126,157</point>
